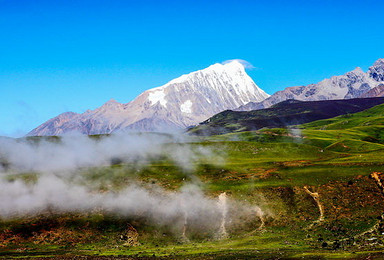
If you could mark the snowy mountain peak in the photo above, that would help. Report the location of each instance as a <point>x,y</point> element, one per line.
<point>233,70</point>
<point>377,70</point>
<point>357,71</point>
<point>182,102</point>
<point>233,66</point>
<point>379,63</point>
<point>218,68</point>
<point>245,64</point>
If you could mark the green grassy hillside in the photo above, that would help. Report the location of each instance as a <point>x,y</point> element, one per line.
<point>370,117</point>
<point>276,169</point>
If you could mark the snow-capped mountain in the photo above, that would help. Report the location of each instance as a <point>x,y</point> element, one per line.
<point>182,102</point>
<point>353,84</point>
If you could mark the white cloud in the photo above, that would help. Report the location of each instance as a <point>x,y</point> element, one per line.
<point>246,64</point>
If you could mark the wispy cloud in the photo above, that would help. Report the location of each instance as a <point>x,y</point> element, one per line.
<point>246,64</point>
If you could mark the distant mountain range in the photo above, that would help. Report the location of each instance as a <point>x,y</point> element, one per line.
<point>353,84</point>
<point>195,97</point>
<point>182,102</point>
<point>283,114</point>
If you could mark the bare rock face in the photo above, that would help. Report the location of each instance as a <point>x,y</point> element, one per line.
<point>180,103</point>
<point>353,84</point>
<point>375,92</point>
<point>53,125</point>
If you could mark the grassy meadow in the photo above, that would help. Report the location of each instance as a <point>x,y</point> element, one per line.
<point>271,168</point>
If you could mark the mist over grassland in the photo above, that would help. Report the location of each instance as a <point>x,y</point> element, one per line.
<point>60,175</point>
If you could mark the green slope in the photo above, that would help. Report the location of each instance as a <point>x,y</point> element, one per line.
<point>370,117</point>
<point>286,113</point>
<point>353,133</point>
<point>363,131</point>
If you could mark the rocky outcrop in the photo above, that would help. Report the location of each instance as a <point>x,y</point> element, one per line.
<point>375,92</point>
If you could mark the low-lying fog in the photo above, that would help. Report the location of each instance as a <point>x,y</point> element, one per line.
<point>55,162</point>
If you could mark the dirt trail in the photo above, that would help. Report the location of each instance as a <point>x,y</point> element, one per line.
<point>316,198</point>
<point>376,176</point>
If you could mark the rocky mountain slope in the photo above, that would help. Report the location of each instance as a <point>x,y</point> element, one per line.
<point>182,102</point>
<point>353,84</point>
<point>375,92</point>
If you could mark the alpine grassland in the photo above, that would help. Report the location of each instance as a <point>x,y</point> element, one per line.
<point>310,188</point>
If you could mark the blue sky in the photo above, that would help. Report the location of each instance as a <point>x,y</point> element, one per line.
<point>58,56</point>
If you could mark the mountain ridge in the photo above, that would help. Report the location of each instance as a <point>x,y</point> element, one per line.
<point>352,84</point>
<point>184,101</point>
